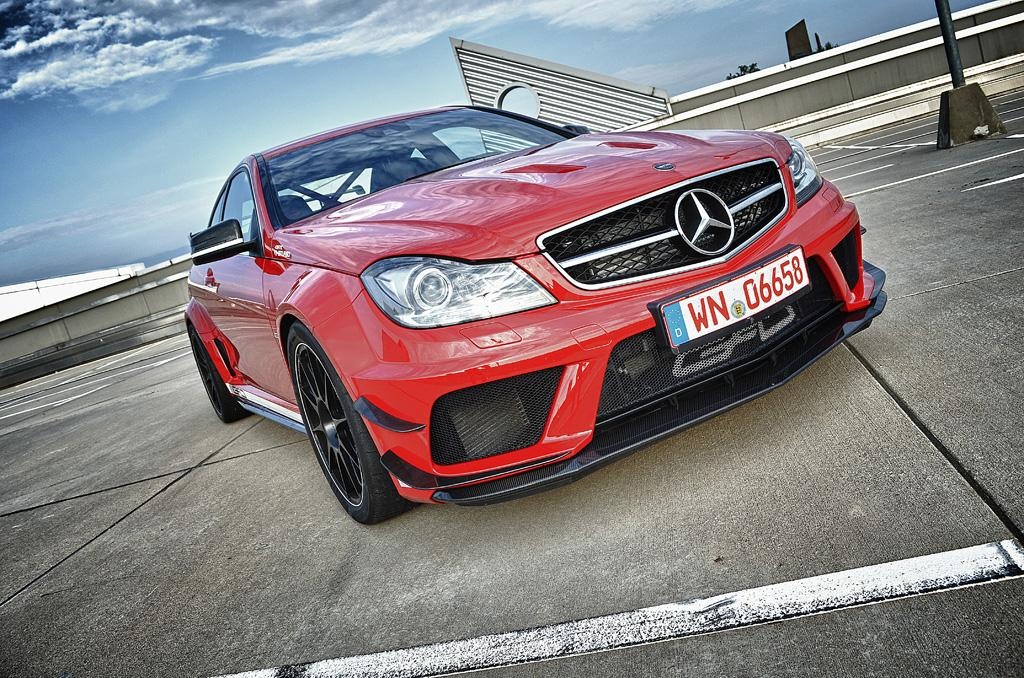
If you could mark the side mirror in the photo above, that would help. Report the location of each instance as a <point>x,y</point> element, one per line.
<point>219,241</point>
<point>576,129</point>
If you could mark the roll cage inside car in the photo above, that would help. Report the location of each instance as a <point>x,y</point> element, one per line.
<point>341,168</point>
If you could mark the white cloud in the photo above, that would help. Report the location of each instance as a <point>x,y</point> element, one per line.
<point>128,55</point>
<point>111,65</point>
<point>176,209</point>
<point>396,26</point>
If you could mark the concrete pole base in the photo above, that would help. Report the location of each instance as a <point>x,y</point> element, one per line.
<point>965,114</point>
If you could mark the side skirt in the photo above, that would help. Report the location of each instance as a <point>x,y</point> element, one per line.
<point>268,409</point>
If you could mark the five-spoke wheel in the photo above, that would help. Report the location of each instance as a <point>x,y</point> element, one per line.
<point>342,444</point>
<point>328,425</point>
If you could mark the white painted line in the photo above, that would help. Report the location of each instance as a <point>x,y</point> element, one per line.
<point>875,169</point>
<point>1019,117</point>
<point>872,136</point>
<point>78,370</point>
<point>1016,177</point>
<point>1016,136</point>
<point>90,382</point>
<point>974,565</point>
<point>932,174</point>
<point>1012,110</point>
<point>1007,94</point>
<point>877,148</point>
<point>55,404</point>
<point>874,157</point>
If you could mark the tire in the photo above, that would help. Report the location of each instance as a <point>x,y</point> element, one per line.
<point>225,405</point>
<point>341,443</point>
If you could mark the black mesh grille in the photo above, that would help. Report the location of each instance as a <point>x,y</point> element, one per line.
<point>493,418</point>
<point>656,216</point>
<point>846,256</point>
<point>641,369</point>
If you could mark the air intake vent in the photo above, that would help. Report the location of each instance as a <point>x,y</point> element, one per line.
<point>493,418</point>
<point>846,256</point>
<point>641,370</point>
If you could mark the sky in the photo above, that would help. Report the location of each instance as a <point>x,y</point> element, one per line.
<point>120,119</point>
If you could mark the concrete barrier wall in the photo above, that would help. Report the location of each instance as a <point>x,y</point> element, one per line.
<point>845,79</point>
<point>144,307</point>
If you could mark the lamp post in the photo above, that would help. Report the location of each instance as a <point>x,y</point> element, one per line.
<point>956,67</point>
<point>965,113</point>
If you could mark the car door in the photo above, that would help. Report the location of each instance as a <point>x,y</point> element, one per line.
<point>239,310</point>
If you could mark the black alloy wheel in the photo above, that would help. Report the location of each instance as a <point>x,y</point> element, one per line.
<point>343,446</point>
<point>225,405</point>
<point>328,426</point>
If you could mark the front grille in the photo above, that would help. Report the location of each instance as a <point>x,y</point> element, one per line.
<point>641,369</point>
<point>492,418</point>
<point>846,256</point>
<point>641,239</point>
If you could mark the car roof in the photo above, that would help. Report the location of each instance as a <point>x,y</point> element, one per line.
<point>348,129</point>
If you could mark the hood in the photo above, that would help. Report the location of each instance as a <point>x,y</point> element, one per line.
<point>496,207</point>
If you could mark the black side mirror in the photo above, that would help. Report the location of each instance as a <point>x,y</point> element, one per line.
<point>219,241</point>
<point>576,129</point>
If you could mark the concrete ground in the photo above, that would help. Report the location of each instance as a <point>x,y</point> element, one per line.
<point>139,536</point>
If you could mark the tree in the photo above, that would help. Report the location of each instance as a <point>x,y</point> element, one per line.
<point>827,45</point>
<point>744,69</point>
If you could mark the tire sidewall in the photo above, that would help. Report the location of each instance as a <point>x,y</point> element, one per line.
<point>224,405</point>
<point>300,336</point>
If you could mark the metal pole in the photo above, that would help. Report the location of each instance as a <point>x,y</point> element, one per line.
<point>956,68</point>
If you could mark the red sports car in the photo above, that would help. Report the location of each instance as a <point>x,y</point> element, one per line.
<point>466,305</point>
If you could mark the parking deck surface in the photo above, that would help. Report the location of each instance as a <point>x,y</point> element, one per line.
<point>139,536</point>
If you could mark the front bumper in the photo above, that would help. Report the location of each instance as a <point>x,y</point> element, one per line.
<point>398,376</point>
<point>686,408</point>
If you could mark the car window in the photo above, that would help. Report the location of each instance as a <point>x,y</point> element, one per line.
<point>334,171</point>
<point>218,210</point>
<point>239,204</point>
<point>470,142</point>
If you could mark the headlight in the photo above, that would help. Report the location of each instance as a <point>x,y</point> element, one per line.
<point>429,292</point>
<point>806,180</point>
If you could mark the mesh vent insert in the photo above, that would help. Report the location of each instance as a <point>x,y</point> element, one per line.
<point>492,418</point>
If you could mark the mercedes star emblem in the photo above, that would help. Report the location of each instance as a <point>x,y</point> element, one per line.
<point>704,222</point>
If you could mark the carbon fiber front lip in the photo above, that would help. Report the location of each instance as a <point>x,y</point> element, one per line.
<point>613,443</point>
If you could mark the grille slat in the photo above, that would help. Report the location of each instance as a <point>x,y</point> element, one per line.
<point>600,251</point>
<point>641,370</point>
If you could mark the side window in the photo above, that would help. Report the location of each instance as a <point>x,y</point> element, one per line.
<point>218,210</point>
<point>239,204</point>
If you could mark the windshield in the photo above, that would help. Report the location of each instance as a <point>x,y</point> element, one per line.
<point>329,173</point>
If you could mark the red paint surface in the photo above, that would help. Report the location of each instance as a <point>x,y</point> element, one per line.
<point>489,209</point>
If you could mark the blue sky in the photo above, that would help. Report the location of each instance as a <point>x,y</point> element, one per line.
<point>119,119</point>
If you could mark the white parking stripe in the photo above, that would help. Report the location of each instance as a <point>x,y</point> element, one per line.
<point>932,174</point>
<point>997,561</point>
<point>993,183</point>
<point>76,370</point>
<point>921,122</point>
<point>876,148</point>
<point>872,158</point>
<point>90,382</point>
<point>874,169</point>
<point>54,404</point>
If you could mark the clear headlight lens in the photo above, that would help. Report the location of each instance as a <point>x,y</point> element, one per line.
<point>806,179</point>
<point>430,292</point>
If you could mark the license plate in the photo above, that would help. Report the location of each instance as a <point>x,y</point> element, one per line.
<point>698,315</point>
